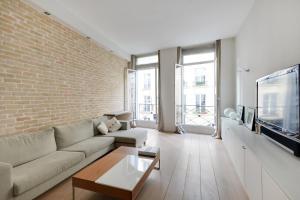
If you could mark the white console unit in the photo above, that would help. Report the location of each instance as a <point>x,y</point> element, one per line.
<point>266,170</point>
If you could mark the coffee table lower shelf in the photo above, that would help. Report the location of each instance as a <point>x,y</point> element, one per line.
<point>85,179</point>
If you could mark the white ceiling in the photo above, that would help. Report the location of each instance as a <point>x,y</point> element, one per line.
<point>142,26</point>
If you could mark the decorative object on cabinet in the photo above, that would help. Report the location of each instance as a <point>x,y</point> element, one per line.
<point>240,122</point>
<point>233,115</point>
<point>228,111</point>
<point>249,118</point>
<point>241,112</point>
<point>257,128</point>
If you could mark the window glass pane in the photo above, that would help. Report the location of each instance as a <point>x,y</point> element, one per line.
<point>196,58</point>
<point>146,94</point>
<point>132,91</point>
<point>147,60</point>
<point>147,81</point>
<point>199,96</point>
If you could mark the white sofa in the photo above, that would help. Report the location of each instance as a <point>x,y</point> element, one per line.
<point>31,164</point>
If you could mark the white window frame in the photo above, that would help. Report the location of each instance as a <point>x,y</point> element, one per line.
<point>149,66</point>
<point>209,48</point>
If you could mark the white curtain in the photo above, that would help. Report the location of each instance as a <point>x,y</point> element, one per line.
<point>167,58</point>
<point>160,125</point>
<point>217,133</point>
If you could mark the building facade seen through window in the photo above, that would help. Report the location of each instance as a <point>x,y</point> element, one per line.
<point>198,83</point>
<point>146,83</point>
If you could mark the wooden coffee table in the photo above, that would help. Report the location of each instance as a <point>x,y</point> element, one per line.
<point>121,173</point>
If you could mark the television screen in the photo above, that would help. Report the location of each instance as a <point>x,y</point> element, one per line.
<point>278,101</point>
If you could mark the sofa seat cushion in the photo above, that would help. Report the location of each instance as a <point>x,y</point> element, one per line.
<point>136,136</point>
<point>31,174</point>
<point>22,148</point>
<point>67,135</point>
<point>91,145</point>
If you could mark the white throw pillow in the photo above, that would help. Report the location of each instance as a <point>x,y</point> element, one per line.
<point>113,124</point>
<point>102,128</point>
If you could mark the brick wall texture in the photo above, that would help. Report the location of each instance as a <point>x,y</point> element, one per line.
<point>50,74</point>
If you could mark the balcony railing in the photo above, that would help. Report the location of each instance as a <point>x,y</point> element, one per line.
<point>195,115</point>
<point>200,83</point>
<point>185,114</point>
<point>147,112</point>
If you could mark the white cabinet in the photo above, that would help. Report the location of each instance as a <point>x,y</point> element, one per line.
<point>242,149</point>
<point>270,189</point>
<point>236,150</point>
<point>253,176</point>
<point>239,158</point>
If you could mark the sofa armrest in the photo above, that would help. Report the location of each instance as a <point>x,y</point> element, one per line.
<point>6,184</point>
<point>125,124</point>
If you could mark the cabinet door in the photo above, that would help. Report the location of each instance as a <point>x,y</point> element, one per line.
<point>238,156</point>
<point>271,190</point>
<point>235,149</point>
<point>225,136</point>
<point>253,176</point>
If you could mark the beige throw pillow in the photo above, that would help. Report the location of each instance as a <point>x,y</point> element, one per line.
<point>113,124</point>
<point>102,128</point>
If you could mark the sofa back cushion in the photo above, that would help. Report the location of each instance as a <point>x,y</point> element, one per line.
<point>22,148</point>
<point>67,135</point>
<point>97,121</point>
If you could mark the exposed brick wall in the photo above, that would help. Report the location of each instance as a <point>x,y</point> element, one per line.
<point>50,74</point>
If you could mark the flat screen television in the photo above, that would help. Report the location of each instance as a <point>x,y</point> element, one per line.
<point>278,107</point>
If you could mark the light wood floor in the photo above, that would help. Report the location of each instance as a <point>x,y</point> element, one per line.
<point>193,166</point>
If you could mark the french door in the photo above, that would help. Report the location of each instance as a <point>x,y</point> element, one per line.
<point>195,90</point>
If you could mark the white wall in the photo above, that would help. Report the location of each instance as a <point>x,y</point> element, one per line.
<point>168,59</point>
<point>268,41</point>
<point>228,73</point>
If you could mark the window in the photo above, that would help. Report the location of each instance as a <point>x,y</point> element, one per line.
<point>203,102</point>
<point>184,103</point>
<point>185,84</point>
<point>147,81</point>
<point>199,80</point>
<point>198,90</point>
<point>198,58</point>
<point>146,67</point>
<point>131,101</point>
<point>197,102</point>
<point>147,104</point>
<point>200,103</point>
<point>146,93</point>
<point>145,60</point>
